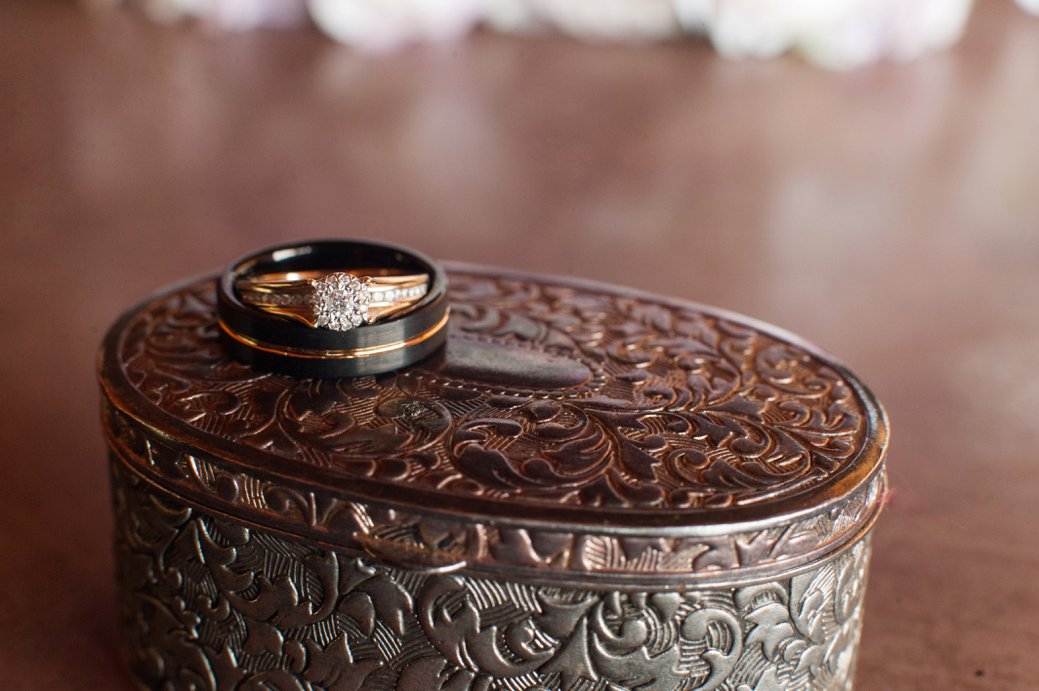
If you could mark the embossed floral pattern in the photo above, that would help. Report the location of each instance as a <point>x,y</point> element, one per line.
<point>657,405</point>
<point>422,540</point>
<point>207,603</point>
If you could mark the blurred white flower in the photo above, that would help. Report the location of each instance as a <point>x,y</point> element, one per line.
<point>897,29</point>
<point>242,15</point>
<point>229,15</point>
<point>382,25</point>
<point>593,19</point>
<point>838,34</point>
<point>693,14</point>
<point>509,15</point>
<point>170,11</point>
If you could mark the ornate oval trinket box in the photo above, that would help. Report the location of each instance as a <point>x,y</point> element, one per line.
<point>587,489</point>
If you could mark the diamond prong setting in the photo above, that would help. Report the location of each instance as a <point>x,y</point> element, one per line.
<point>340,301</point>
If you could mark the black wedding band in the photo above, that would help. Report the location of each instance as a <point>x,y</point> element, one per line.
<point>264,339</point>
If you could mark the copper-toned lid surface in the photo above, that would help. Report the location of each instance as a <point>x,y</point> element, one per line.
<point>565,428</point>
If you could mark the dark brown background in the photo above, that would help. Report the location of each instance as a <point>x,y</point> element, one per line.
<point>890,215</point>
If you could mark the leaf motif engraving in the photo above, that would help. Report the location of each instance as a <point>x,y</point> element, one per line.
<point>685,410</point>
<point>208,602</point>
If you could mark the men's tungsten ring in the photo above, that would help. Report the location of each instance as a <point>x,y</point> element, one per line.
<point>333,308</point>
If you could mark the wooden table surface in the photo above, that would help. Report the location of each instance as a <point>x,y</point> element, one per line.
<point>890,215</point>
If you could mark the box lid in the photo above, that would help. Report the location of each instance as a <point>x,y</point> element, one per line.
<point>568,431</point>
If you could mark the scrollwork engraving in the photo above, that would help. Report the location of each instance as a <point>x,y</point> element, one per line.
<point>263,543</point>
<point>424,541</point>
<point>661,406</point>
<point>207,603</point>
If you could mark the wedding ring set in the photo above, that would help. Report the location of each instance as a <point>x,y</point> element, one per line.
<point>333,308</point>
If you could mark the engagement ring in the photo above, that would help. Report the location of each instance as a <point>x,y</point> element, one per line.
<point>335,300</point>
<point>333,308</point>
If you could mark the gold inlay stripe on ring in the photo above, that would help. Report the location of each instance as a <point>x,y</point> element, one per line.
<point>346,354</point>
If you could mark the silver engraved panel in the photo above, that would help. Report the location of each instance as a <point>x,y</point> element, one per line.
<point>209,603</point>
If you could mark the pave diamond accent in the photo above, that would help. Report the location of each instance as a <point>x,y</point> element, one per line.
<point>340,301</point>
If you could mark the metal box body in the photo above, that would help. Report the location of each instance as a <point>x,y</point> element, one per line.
<point>589,488</point>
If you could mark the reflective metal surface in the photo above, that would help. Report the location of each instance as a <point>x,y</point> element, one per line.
<point>589,488</point>
<point>208,603</point>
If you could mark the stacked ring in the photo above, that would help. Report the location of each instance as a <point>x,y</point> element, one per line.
<point>333,308</point>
